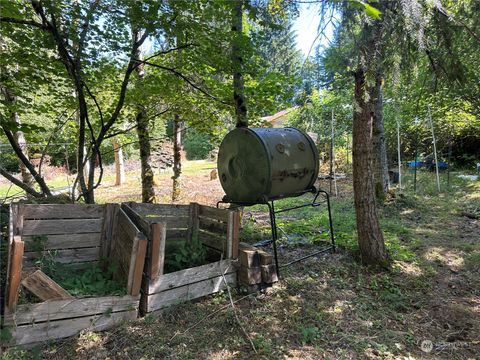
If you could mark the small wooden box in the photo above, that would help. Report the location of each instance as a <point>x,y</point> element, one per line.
<point>216,229</point>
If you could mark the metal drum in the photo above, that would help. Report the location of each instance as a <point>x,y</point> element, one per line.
<point>257,165</point>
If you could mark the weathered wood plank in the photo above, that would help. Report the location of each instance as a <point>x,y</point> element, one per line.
<point>63,211</point>
<point>63,226</point>
<point>110,215</point>
<point>44,287</point>
<point>176,234</point>
<point>233,237</point>
<point>191,275</point>
<point>126,225</point>
<point>72,308</point>
<point>193,222</point>
<point>137,260</point>
<point>139,222</point>
<point>15,272</point>
<point>212,240</point>
<point>66,241</point>
<point>66,256</point>
<point>189,292</point>
<point>33,333</point>
<point>213,213</point>
<point>157,249</point>
<point>213,226</point>
<point>160,209</point>
<point>173,222</point>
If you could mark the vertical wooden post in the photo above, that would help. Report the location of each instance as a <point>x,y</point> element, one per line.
<point>15,272</point>
<point>233,227</point>
<point>158,234</point>
<point>399,156</point>
<point>110,214</point>
<point>193,223</point>
<point>119,164</point>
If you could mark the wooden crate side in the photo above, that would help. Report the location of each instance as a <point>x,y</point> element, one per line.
<point>67,241</point>
<point>73,308</point>
<point>213,213</point>
<point>62,226</point>
<point>193,222</point>
<point>191,275</point>
<point>189,292</point>
<point>233,229</point>
<point>176,234</point>
<point>110,213</point>
<point>63,211</point>
<point>137,260</point>
<point>34,333</point>
<point>173,222</point>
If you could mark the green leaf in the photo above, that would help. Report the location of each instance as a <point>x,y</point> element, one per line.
<point>372,12</point>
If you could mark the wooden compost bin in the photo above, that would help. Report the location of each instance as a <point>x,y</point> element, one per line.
<point>217,229</point>
<point>78,234</point>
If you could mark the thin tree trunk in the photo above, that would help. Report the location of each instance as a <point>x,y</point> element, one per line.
<point>370,237</point>
<point>380,164</point>
<point>119,165</point>
<point>177,159</point>
<point>237,62</point>
<point>148,181</point>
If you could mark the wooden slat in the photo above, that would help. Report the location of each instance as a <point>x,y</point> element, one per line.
<point>212,240</point>
<point>193,222</point>
<point>139,222</point>
<point>126,225</point>
<point>173,222</point>
<point>109,220</point>
<point>213,213</point>
<point>137,260</point>
<point>15,272</point>
<point>157,249</point>
<point>269,273</point>
<point>176,234</point>
<point>66,256</point>
<point>213,226</point>
<point>65,309</point>
<point>189,292</point>
<point>68,226</point>
<point>34,333</point>
<point>191,275</point>
<point>44,287</point>
<point>160,209</point>
<point>63,211</point>
<point>67,241</point>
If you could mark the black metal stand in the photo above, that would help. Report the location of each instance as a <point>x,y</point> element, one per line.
<point>273,221</point>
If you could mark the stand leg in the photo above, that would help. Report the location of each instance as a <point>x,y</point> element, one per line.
<point>273,223</point>
<point>330,223</point>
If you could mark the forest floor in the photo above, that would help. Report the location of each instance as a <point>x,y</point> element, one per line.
<point>326,307</point>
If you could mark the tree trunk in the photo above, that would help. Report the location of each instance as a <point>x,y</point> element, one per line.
<point>148,181</point>
<point>119,166</point>
<point>370,237</point>
<point>237,63</point>
<point>177,159</point>
<point>380,165</point>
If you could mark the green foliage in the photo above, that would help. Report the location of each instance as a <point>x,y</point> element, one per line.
<point>185,255</point>
<point>197,145</point>
<point>309,334</point>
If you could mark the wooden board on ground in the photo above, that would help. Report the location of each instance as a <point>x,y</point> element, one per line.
<point>43,287</point>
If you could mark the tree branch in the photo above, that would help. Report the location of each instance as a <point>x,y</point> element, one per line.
<point>165,52</point>
<point>20,183</point>
<point>10,20</point>
<point>184,78</point>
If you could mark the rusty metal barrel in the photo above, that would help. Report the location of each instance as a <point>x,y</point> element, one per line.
<point>258,165</point>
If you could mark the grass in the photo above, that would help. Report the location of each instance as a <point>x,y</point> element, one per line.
<point>328,307</point>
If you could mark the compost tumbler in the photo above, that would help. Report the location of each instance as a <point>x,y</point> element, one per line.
<point>258,165</point>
